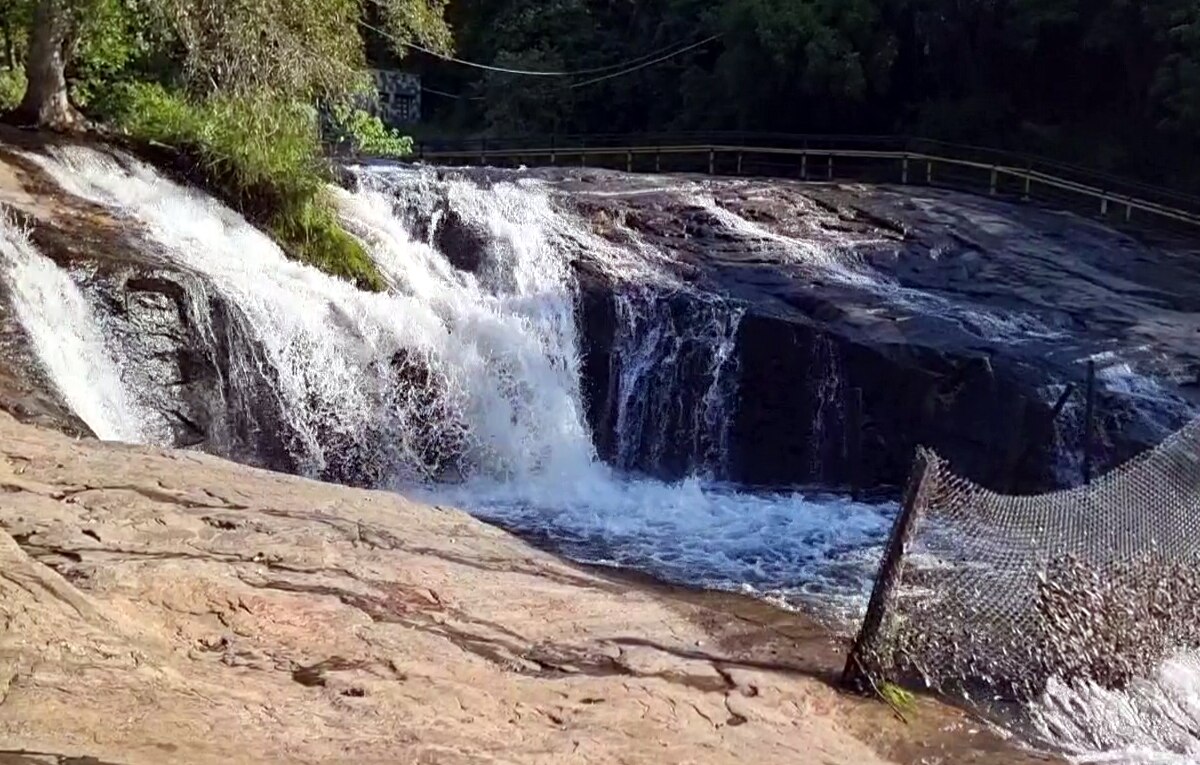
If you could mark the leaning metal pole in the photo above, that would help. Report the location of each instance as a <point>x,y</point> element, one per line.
<point>857,674</point>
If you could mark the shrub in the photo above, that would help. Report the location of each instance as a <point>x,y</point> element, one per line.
<point>261,154</point>
<point>12,88</point>
<point>359,130</point>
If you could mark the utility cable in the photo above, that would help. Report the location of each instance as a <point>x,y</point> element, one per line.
<point>444,94</point>
<point>626,66</point>
<point>639,67</point>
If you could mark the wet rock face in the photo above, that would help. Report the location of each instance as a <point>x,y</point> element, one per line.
<point>868,322</point>
<point>25,392</point>
<point>878,320</point>
<point>461,243</point>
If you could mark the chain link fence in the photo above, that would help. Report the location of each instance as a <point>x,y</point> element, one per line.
<point>989,596</point>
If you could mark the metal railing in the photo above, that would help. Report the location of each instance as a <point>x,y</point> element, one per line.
<point>879,159</point>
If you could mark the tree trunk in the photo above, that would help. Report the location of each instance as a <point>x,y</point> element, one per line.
<point>46,103</point>
<point>10,59</point>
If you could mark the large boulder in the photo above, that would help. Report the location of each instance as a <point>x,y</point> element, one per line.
<point>169,606</point>
<point>879,319</point>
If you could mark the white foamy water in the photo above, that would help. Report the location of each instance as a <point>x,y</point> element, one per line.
<point>1148,395</point>
<point>67,340</point>
<point>813,550</point>
<point>1154,721</point>
<point>491,362</point>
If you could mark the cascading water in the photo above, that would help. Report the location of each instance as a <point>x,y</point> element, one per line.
<point>674,380</point>
<point>463,384</point>
<point>69,342</point>
<point>1152,721</point>
<point>829,418</point>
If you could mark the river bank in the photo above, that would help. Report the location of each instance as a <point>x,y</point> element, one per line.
<point>171,605</point>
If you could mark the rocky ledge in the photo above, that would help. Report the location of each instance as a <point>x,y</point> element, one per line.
<point>170,606</point>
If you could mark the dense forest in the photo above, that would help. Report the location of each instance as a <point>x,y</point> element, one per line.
<point>1114,84</point>
<point>1110,83</point>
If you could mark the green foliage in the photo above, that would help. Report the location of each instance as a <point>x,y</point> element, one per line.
<point>312,234</point>
<point>262,154</point>
<point>230,86</point>
<point>1095,81</point>
<point>12,87</point>
<point>359,130</point>
<point>113,36</point>
<point>900,700</point>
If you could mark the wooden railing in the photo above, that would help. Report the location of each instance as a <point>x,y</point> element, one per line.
<point>875,159</point>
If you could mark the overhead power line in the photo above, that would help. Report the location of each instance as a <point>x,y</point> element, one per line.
<point>626,67</point>
<point>444,94</point>
<point>639,67</point>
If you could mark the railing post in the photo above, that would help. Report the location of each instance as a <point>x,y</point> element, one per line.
<point>712,161</point>
<point>553,151</point>
<point>995,180</point>
<point>904,171</point>
<point>1104,206</point>
<point>657,160</point>
<point>739,170</point>
<point>857,673</point>
<point>829,169</point>
<point>1025,193</point>
<point>929,172</point>
<point>1128,211</point>
<point>483,151</point>
<point>804,167</point>
<point>629,161</point>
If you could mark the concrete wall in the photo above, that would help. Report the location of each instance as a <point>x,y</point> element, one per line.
<point>399,96</point>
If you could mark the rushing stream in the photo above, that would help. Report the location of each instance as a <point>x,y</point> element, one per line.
<point>465,385</point>
<point>491,407</point>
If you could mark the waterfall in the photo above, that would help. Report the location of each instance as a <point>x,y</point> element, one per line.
<point>493,353</point>
<point>674,381</point>
<point>67,338</point>
<point>462,383</point>
<point>829,415</point>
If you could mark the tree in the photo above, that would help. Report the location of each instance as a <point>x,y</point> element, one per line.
<point>51,35</point>
<point>301,49</point>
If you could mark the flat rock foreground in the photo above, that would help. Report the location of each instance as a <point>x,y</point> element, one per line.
<point>167,606</point>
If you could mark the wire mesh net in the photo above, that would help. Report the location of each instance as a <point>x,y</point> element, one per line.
<point>990,595</point>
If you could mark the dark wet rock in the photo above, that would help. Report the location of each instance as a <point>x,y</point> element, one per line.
<point>25,393</point>
<point>960,319</point>
<point>463,244</point>
<point>182,350</point>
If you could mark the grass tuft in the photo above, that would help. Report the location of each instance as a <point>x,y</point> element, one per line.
<point>262,155</point>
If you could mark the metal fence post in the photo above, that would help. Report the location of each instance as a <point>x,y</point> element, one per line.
<point>829,173</point>
<point>904,170</point>
<point>483,151</point>
<point>804,167</point>
<point>739,170</point>
<point>995,180</point>
<point>712,161</point>
<point>857,674</point>
<point>629,161</point>
<point>929,172</point>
